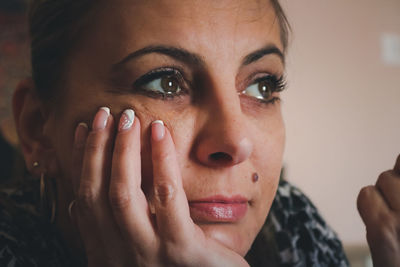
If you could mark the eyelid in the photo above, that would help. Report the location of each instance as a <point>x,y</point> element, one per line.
<point>159,73</point>
<point>251,80</point>
<point>140,85</point>
<point>279,84</point>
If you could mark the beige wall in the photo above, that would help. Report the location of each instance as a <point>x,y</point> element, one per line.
<point>342,107</point>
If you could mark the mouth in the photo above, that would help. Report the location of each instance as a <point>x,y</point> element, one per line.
<point>218,209</point>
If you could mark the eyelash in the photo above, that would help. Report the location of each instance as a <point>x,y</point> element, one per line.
<point>278,85</point>
<point>159,73</point>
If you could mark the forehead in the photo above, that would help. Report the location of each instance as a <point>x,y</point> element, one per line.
<point>208,27</point>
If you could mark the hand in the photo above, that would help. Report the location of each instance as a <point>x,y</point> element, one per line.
<point>379,207</point>
<point>112,213</point>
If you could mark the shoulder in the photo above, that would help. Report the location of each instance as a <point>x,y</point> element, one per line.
<point>301,234</point>
<point>26,239</point>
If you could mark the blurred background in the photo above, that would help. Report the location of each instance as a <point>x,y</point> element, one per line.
<point>342,107</point>
<point>14,65</point>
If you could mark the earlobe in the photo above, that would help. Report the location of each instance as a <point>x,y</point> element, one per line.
<point>30,119</point>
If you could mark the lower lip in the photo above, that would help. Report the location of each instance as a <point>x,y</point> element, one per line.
<point>217,212</point>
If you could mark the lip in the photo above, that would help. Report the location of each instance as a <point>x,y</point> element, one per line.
<point>218,209</point>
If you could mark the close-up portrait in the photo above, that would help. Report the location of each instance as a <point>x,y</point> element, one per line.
<point>199,133</point>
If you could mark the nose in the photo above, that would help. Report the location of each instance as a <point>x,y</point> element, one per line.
<point>223,140</point>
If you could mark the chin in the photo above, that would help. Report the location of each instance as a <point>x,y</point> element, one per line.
<point>232,236</point>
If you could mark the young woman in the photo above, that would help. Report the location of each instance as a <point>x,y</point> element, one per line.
<point>159,124</point>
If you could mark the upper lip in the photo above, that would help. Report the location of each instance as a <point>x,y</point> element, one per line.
<point>236,199</point>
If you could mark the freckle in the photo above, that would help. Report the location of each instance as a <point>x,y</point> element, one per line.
<point>255,177</point>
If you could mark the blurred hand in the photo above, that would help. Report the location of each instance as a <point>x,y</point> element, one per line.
<point>379,207</point>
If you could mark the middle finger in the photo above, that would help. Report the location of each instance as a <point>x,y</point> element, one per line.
<point>128,202</point>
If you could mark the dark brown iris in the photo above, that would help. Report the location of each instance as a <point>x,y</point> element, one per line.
<point>170,85</point>
<point>264,87</point>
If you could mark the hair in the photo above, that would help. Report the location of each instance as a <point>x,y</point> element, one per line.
<point>56,26</point>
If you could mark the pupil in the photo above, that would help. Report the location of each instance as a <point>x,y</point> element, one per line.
<point>170,84</point>
<point>263,88</point>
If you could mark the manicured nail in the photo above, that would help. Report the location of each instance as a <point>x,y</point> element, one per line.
<point>157,130</point>
<point>126,120</point>
<point>101,118</point>
<point>81,133</point>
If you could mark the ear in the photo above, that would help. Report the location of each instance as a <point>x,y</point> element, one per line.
<point>30,118</point>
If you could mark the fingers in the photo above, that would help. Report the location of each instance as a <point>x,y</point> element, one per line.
<point>371,206</point>
<point>379,206</point>
<point>171,205</point>
<point>381,225</point>
<point>388,184</point>
<point>97,156</point>
<point>397,166</point>
<point>81,133</point>
<point>128,202</point>
<point>97,228</point>
<point>112,211</point>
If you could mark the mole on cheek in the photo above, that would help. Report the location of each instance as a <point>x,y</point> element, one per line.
<point>255,177</point>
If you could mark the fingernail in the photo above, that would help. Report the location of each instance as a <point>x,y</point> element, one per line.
<point>126,120</point>
<point>157,130</point>
<point>101,118</point>
<point>81,133</point>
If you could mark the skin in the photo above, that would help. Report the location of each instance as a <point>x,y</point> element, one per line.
<point>138,186</point>
<point>214,118</point>
<point>379,207</point>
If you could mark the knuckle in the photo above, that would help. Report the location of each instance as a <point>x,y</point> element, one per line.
<point>163,155</point>
<point>384,178</point>
<point>164,192</point>
<point>93,145</point>
<point>123,148</point>
<point>119,199</point>
<point>86,199</point>
<point>364,194</point>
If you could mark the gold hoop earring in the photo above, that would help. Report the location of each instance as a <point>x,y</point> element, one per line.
<point>48,198</point>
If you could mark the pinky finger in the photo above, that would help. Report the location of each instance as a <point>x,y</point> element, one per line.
<point>81,133</point>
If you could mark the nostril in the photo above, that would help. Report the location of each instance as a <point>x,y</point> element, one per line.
<point>220,157</point>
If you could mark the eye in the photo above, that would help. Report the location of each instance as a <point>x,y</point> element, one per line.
<point>162,83</point>
<point>263,88</point>
<point>167,84</point>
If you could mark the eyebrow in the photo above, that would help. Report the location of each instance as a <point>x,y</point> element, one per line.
<point>174,52</point>
<point>258,54</point>
<point>190,58</point>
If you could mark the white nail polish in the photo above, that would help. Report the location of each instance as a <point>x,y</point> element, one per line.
<point>83,124</point>
<point>106,109</point>
<point>128,119</point>
<point>158,121</point>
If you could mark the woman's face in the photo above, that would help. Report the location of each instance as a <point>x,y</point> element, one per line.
<point>198,66</point>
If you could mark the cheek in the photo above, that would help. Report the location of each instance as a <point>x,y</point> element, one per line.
<point>268,156</point>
